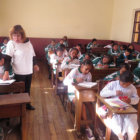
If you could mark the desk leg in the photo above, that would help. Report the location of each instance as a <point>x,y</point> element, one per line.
<point>108,133</point>
<point>23,122</point>
<point>78,115</point>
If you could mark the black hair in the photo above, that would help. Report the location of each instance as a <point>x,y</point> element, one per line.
<point>79,45</point>
<point>126,77</point>
<point>128,50</point>
<point>112,42</point>
<point>94,39</point>
<point>59,49</point>
<point>107,56</point>
<point>62,46</point>
<point>125,65</point>
<point>132,46</point>
<point>1,55</point>
<point>87,62</point>
<point>124,47</point>
<point>53,40</point>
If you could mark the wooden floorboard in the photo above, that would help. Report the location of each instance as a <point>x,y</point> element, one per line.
<point>49,121</point>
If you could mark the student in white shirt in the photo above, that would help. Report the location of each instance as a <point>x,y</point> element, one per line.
<point>79,47</point>
<point>21,51</point>
<point>79,75</point>
<point>124,124</point>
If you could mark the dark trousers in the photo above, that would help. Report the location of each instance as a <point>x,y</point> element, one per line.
<point>26,79</point>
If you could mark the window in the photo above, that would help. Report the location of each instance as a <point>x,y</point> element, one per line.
<point>136,28</point>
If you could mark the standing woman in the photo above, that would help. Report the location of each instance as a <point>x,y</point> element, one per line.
<point>20,51</point>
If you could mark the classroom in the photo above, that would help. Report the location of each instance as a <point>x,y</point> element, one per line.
<point>69,70</point>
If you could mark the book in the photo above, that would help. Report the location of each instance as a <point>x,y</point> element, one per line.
<point>7,82</point>
<point>87,84</point>
<point>116,102</point>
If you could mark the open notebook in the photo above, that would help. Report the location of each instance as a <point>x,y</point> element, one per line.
<point>6,82</point>
<point>87,84</point>
<point>116,102</point>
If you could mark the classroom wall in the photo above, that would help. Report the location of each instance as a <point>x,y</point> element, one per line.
<point>123,19</point>
<point>55,18</point>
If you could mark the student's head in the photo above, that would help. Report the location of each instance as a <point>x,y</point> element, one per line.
<point>131,47</point>
<point>65,38</point>
<point>73,53</point>
<point>126,78</point>
<point>94,41</point>
<point>106,59</point>
<point>62,46</point>
<point>115,47</point>
<point>52,42</point>
<point>1,59</point>
<point>61,41</point>
<point>86,66</point>
<point>123,47</point>
<point>78,46</point>
<point>5,40</point>
<point>17,34</point>
<point>124,67</point>
<point>127,52</point>
<point>87,56</point>
<point>59,52</point>
<point>112,42</point>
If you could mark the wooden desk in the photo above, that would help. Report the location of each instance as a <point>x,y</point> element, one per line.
<point>83,95</point>
<point>14,105</point>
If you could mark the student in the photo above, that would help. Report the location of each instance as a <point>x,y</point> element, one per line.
<point>114,51</point>
<point>91,45</point>
<point>133,51</point>
<point>4,45</point>
<point>65,53</point>
<point>56,60</point>
<point>59,43</point>
<point>109,45</point>
<point>79,46</point>
<point>123,124</point>
<point>50,47</point>
<point>122,48</point>
<point>84,57</point>
<point>21,51</point>
<point>76,76</point>
<point>102,62</point>
<point>115,76</point>
<point>71,59</point>
<point>123,58</point>
<point>65,41</point>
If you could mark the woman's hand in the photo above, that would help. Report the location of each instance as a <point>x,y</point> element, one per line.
<point>36,68</point>
<point>6,75</point>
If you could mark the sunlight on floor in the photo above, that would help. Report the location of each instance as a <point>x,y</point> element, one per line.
<point>70,130</point>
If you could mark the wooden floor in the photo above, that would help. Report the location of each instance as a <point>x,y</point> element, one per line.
<point>49,121</point>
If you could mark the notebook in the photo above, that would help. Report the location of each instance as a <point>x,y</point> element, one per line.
<point>7,82</point>
<point>87,84</point>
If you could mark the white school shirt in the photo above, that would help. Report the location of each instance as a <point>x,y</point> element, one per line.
<point>75,73</point>
<point>22,55</point>
<point>130,91</point>
<point>65,65</point>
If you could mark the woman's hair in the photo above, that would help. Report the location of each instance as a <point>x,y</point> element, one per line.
<point>62,46</point>
<point>87,62</point>
<point>72,49</point>
<point>126,77</point>
<point>132,46</point>
<point>125,65</point>
<point>94,39</point>
<point>17,29</point>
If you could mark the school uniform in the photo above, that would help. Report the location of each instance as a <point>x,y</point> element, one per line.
<point>124,123</point>
<point>3,48</point>
<point>90,46</point>
<point>113,52</point>
<point>116,74</point>
<point>81,58</point>
<point>66,44</point>
<point>65,64</point>
<point>71,79</point>
<point>23,59</point>
<point>108,46</point>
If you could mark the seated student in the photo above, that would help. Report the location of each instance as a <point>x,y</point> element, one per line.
<point>57,58</point>
<point>115,76</point>
<point>71,59</point>
<point>114,51</point>
<point>4,45</point>
<point>123,58</point>
<point>123,124</point>
<point>50,47</point>
<point>65,52</point>
<point>84,57</point>
<point>133,51</point>
<point>76,76</point>
<point>59,43</point>
<point>79,46</point>
<point>91,45</point>
<point>122,48</point>
<point>137,70</point>
<point>103,62</point>
<point>109,45</point>
<point>65,41</point>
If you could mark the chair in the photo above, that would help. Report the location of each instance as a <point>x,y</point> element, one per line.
<point>111,110</point>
